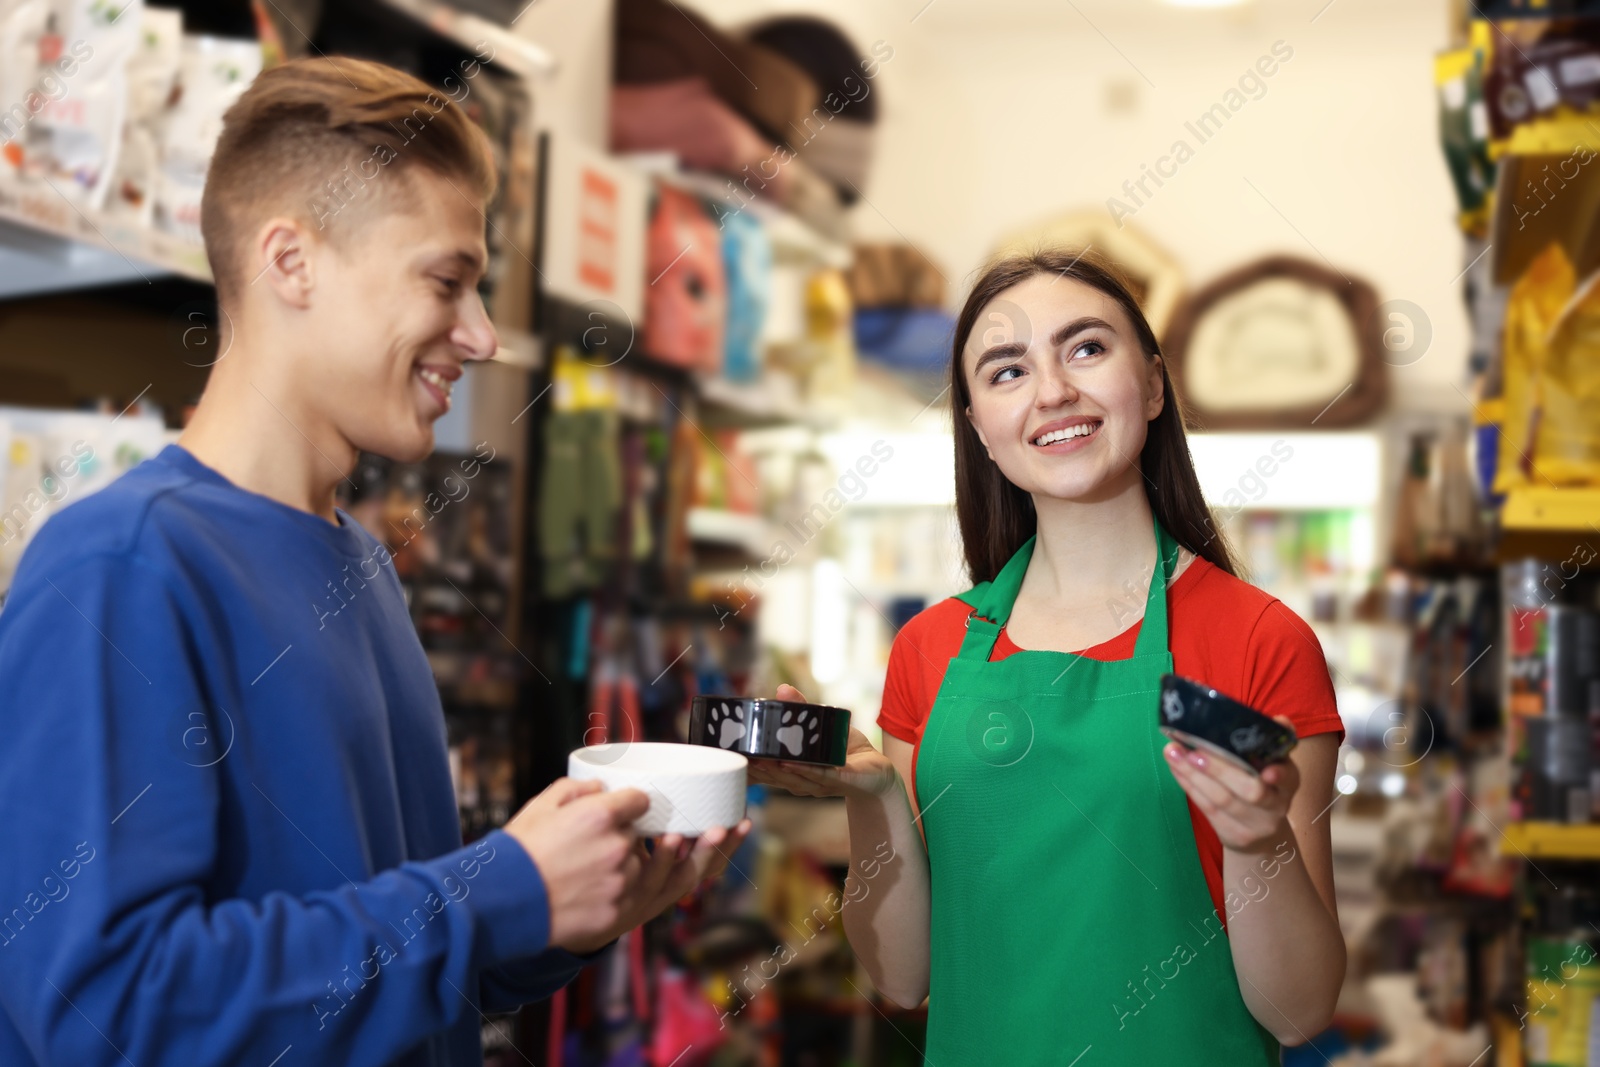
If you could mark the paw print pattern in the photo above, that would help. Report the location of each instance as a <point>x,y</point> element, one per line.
<point>792,734</point>
<point>726,725</point>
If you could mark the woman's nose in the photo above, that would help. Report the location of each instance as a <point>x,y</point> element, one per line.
<point>1055,387</point>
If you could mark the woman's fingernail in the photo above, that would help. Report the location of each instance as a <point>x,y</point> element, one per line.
<point>1197,759</point>
<point>1173,752</point>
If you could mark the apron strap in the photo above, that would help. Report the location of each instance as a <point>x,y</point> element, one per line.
<point>1153,630</point>
<point>993,602</point>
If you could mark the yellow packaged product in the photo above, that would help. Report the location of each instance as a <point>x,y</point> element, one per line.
<point>1566,436</point>
<point>1535,304</point>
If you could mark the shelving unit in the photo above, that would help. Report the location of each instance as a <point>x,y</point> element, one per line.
<point>43,209</point>
<point>752,406</point>
<point>516,54</point>
<point>139,252</point>
<point>717,526</point>
<point>1551,840</point>
<point>1551,509</point>
<point>791,237</point>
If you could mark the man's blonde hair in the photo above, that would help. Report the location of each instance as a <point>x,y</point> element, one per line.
<point>308,138</point>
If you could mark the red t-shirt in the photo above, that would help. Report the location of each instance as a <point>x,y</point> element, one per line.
<point>1222,631</point>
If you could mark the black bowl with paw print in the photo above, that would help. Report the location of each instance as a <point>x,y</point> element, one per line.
<point>764,728</point>
<point>1197,716</point>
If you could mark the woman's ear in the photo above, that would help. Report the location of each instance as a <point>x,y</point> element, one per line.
<point>1157,393</point>
<point>979,432</point>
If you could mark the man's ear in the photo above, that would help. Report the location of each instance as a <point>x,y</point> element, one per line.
<point>1158,392</point>
<point>284,259</point>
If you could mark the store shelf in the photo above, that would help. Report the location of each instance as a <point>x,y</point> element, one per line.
<point>1544,508</point>
<point>1522,9</point>
<point>42,208</point>
<point>1552,840</point>
<point>474,32</point>
<point>791,236</point>
<point>750,406</point>
<point>520,349</point>
<point>138,252</point>
<point>721,527</point>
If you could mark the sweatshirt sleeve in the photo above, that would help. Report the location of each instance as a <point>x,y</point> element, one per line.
<point>114,948</point>
<point>511,985</point>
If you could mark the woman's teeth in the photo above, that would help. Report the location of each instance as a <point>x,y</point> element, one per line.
<point>1083,429</point>
<point>437,380</point>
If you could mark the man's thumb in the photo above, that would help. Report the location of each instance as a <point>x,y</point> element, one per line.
<point>565,790</point>
<point>625,805</point>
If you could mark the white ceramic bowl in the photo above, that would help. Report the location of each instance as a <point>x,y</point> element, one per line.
<point>692,788</point>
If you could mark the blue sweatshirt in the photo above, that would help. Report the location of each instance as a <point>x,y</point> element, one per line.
<point>230,833</point>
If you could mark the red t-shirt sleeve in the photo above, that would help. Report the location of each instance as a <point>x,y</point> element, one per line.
<point>903,710</point>
<point>917,660</point>
<point>1288,674</point>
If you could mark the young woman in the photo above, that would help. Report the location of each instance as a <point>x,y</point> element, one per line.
<point>1067,888</point>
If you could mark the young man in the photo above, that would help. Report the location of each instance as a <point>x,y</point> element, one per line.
<point>231,833</point>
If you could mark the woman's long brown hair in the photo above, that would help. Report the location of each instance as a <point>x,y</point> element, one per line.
<point>995,516</point>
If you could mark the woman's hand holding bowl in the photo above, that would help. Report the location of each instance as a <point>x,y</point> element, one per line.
<point>866,771</point>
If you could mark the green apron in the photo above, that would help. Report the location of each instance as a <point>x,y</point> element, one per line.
<point>1071,922</point>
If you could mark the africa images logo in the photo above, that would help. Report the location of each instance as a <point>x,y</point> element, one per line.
<point>1172,705</point>
<point>999,733</point>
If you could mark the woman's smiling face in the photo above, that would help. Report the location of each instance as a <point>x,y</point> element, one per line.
<point>1061,392</point>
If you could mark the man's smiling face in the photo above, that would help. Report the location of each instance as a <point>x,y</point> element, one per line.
<point>396,314</point>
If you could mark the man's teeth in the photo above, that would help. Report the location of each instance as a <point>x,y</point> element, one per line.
<point>437,380</point>
<point>1080,430</point>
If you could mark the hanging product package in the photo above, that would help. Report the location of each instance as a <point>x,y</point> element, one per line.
<point>1566,439</point>
<point>22,93</point>
<point>1535,303</point>
<point>1532,80</point>
<point>73,141</point>
<point>686,299</point>
<point>1562,987</point>
<point>213,73</point>
<point>747,261</point>
<point>152,75</point>
<point>1463,133</point>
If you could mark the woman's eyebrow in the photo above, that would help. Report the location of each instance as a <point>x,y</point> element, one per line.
<point>1013,349</point>
<point>1077,326</point>
<point>1009,350</point>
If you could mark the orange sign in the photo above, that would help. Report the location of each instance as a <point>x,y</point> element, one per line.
<point>597,231</point>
